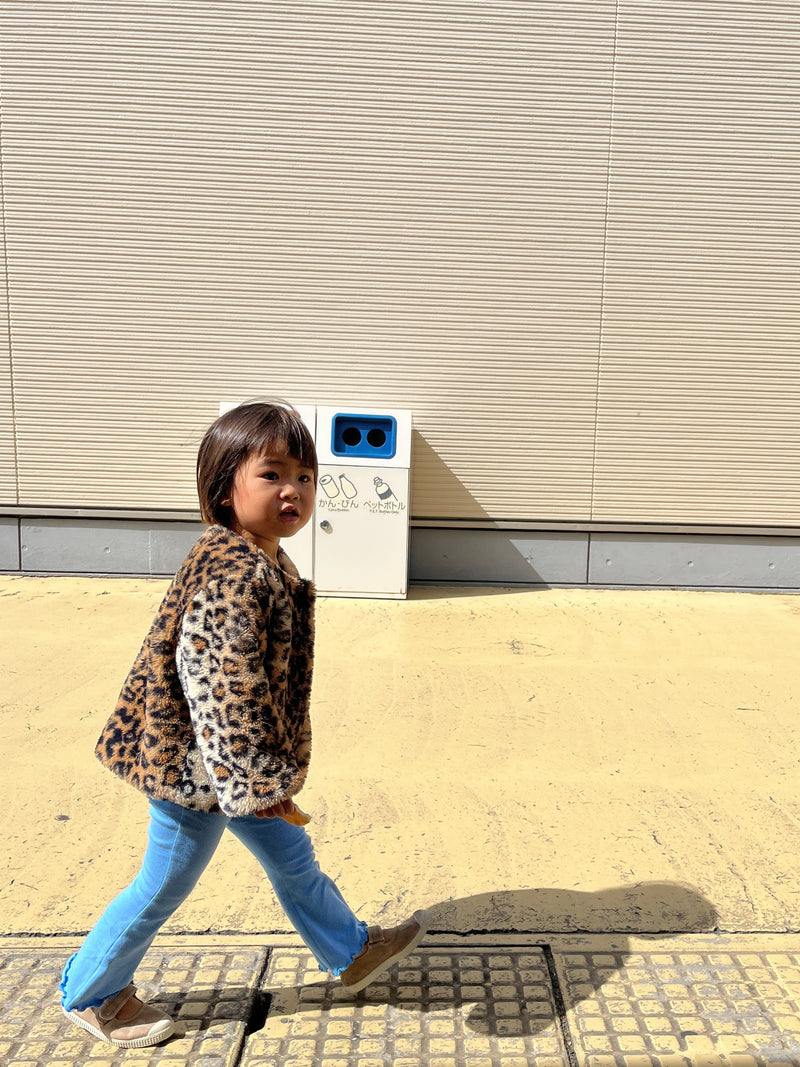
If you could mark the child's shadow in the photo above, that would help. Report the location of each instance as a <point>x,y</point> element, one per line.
<point>649,908</point>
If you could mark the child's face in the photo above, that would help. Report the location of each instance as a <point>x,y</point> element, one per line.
<point>272,497</point>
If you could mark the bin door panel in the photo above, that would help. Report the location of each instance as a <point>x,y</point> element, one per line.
<point>361,531</point>
<point>300,549</point>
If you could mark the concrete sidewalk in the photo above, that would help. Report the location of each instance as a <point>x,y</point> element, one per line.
<point>537,767</point>
<point>592,1001</point>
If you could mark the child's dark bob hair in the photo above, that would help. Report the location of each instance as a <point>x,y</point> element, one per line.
<point>255,427</point>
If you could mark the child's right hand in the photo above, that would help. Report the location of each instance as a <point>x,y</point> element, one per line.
<point>286,810</point>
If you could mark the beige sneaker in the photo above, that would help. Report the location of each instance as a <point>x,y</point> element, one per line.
<point>384,948</point>
<point>120,1022</point>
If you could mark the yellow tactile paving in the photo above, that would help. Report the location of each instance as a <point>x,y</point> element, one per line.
<point>440,1008</point>
<point>208,991</point>
<point>688,1001</point>
<point>680,1007</point>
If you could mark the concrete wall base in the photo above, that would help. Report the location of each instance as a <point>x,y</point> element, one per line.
<point>478,556</point>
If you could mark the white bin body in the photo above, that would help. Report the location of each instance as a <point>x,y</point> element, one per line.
<point>361,515</point>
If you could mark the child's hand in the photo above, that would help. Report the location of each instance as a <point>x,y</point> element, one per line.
<point>284,809</point>
<point>277,811</point>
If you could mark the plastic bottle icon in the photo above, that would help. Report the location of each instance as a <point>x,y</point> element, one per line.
<point>382,489</point>
<point>348,488</point>
<point>329,486</point>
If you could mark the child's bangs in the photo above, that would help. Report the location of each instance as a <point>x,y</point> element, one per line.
<point>287,432</point>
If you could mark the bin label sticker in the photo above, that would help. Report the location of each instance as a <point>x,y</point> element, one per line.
<point>341,494</point>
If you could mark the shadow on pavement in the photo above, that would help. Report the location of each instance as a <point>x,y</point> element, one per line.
<point>649,908</point>
<point>642,908</point>
<point>646,908</point>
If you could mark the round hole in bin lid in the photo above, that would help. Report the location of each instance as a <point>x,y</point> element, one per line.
<point>376,437</point>
<point>352,436</point>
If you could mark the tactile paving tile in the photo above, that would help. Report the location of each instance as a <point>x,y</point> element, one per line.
<point>438,1008</point>
<point>672,1009</point>
<point>208,993</point>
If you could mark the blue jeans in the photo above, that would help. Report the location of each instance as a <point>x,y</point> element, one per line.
<point>180,846</point>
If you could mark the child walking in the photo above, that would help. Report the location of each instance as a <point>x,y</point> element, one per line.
<point>212,725</point>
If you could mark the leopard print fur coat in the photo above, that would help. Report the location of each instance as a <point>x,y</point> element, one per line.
<point>214,714</point>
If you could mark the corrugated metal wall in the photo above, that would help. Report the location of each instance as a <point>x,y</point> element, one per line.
<point>8,462</point>
<point>565,235</point>
<point>699,399</point>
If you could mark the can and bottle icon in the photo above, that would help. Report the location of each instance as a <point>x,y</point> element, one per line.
<point>333,488</point>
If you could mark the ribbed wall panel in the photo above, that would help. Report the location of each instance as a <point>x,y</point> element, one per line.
<point>699,399</point>
<point>8,459</point>
<point>564,235</point>
<point>399,204</point>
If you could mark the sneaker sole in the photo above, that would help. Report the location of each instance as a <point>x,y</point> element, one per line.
<point>422,918</point>
<point>139,1042</point>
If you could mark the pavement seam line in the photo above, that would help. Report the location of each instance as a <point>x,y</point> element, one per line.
<point>560,1005</point>
<point>259,1007</point>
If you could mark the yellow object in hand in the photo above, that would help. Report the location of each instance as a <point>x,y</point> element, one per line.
<point>297,818</point>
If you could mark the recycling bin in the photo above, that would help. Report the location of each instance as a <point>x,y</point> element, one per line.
<point>361,517</point>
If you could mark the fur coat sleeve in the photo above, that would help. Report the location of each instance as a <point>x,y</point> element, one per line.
<point>234,659</point>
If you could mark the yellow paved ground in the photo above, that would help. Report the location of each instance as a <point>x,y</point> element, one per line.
<point>537,760</point>
<point>580,785</point>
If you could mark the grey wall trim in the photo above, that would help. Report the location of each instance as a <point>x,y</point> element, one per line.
<point>498,556</point>
<point>103,546</point>
<point>9,544</point>
<point>488,556</point>
<point>692,561</point>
